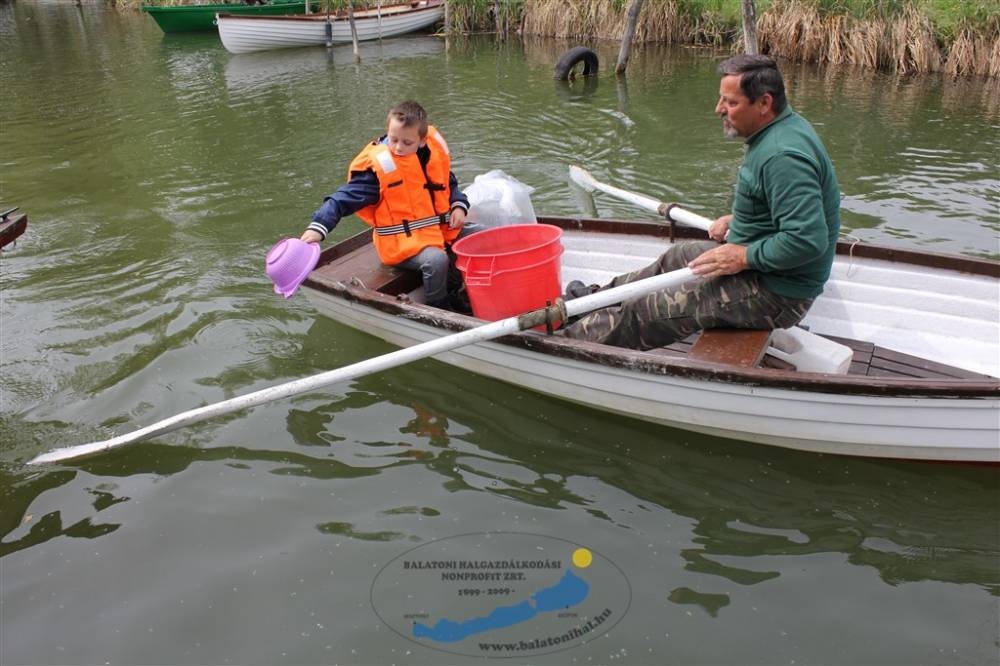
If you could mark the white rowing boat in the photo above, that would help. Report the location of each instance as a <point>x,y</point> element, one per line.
<point>245,34</point>
<point>924,329</point>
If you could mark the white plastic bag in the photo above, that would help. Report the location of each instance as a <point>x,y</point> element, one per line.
<point>497,199</point>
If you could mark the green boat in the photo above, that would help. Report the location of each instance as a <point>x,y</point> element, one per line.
<point>190,18</point>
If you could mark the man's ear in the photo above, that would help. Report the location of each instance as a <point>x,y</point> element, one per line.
<point>766,102</point>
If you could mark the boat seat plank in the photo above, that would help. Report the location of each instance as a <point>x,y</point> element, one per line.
<point>743,348</point>
<point>363,265</point>
<point>862,350</point>
<point>886,362</point>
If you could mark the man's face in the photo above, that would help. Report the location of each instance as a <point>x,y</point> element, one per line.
<point>740,116</point>
<point>403,141</point>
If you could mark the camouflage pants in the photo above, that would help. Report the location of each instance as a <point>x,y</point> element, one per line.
<point>663,317</point>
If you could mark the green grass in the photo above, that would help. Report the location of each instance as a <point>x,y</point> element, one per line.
<point>947,16</point>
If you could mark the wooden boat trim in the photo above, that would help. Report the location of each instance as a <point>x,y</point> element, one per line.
<point>12,227</point>
<point>654,362</point>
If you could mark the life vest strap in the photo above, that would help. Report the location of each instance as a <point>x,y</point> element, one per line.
<point>415,224</point>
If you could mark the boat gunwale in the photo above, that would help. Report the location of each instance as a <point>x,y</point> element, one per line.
<point>215,7</point>
<point>658,363</point>
<point>388,11</point>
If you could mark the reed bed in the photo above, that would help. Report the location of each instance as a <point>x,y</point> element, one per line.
<point>895,35</point>
<point>659,21</point>
<point>476,16</point>
<point>905,43</point>
<point>975,51</point>
<point>904,36</point>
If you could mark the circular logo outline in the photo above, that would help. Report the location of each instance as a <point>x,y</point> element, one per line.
<point>490,534</point>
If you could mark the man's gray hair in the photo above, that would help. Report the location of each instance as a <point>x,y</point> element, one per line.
<point>758,75</point>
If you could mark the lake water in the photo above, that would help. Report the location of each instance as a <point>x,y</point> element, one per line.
<point>157,171</point>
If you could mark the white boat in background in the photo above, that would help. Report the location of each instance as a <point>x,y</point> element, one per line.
<point>245,34</point>
<point>924,329</point>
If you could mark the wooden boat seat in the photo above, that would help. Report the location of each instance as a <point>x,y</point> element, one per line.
<point>741,347</point>
<point>362,267</point>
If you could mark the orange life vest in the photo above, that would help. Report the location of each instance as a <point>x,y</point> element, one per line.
<point>414,201</point>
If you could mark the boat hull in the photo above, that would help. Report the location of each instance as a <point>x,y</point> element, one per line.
<point>923,327</point>
<point>905,427</point>
<point>248,34</point>
<point>200,18</point>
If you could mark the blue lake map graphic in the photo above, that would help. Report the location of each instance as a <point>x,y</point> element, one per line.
<point>569,591</point>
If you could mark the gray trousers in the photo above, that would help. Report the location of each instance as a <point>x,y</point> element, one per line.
<point>432,263</point>
<point>660,318</point>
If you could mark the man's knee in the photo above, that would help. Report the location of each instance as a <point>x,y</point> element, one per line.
<point>680,254</point>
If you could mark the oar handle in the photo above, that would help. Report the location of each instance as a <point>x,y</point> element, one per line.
<point>678,214</point>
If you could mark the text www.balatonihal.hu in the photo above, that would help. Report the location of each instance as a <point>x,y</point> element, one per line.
<point>541,643</point>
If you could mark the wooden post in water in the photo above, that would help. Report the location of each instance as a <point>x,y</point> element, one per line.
<point>354,30</point>
<point>750,27</point>
<point>447,17</point>
<point>630,23</point>
<point>329,25</point>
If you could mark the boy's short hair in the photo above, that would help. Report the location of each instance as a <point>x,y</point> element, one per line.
<point>758,75</point>
<point>410,114</point>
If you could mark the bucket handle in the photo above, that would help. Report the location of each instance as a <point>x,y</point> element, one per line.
<point>481,277</point>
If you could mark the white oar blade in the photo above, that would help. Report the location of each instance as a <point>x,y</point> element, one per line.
<point>582,178</point>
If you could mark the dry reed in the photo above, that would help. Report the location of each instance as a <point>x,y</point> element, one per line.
<point>659,21</point>
<point>798,30</point>
<point>974,52</point>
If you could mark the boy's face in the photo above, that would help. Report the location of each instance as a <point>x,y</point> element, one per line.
<point>403,141</point>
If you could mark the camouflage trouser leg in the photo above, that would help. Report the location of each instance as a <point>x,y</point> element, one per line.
<point>663,317</point>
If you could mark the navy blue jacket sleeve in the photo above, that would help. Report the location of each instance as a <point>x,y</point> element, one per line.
<point>360,191</point>
<point>458,198</point>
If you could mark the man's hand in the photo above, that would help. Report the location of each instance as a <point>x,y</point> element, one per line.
<point>311,236</point>
<point>720,228</point>
<point>726,259</point>
<point>457,218</point>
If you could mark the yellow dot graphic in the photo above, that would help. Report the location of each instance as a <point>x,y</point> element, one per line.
<point>582,558</point>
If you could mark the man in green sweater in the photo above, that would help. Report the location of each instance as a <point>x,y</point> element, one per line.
<point>779,240</point>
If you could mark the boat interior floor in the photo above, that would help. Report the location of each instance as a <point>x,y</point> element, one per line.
<point>361,266</point>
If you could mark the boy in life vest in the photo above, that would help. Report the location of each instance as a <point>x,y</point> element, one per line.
<point>402,185</point>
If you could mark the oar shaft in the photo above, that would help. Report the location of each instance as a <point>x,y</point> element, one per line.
<point>683,216</point>
<point>399,357</point>
<point>192,416</point>
<point>639,200</point>
<point>671,211</point>
<point>625,292</point>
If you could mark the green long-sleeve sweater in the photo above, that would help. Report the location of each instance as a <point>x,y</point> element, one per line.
<point>787,207</point>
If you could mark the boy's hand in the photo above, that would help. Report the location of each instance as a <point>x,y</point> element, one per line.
<point>457,218</point>
<point>311,236</point>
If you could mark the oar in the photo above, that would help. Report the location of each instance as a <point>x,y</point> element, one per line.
<point>583,178</point>
<point>560,311</point>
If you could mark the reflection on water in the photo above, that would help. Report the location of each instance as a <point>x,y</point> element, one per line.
<point>155,180</point>
<point>296,67</point>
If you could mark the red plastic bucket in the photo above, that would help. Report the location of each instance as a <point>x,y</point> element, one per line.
<point>510,270</point>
